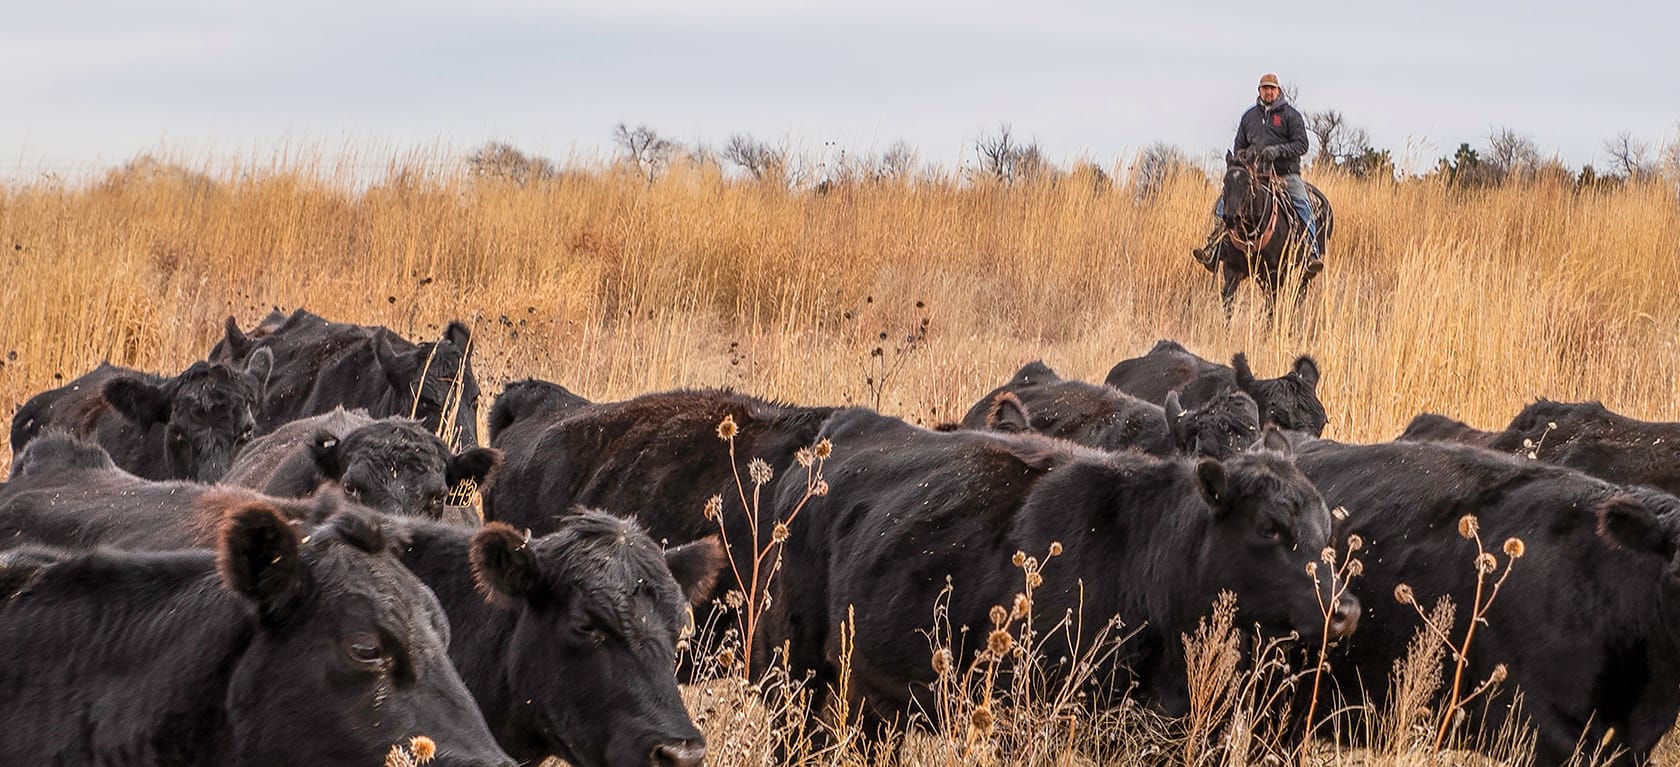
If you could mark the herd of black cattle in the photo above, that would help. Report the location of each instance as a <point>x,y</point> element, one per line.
<point>226,566</point>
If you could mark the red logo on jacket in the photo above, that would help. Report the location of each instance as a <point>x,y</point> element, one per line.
<point>1277,119</point>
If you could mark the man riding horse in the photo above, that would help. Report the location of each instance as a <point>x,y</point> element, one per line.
<point>1273,131</point>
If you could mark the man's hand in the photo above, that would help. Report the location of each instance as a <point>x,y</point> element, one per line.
<point>1270,152</point>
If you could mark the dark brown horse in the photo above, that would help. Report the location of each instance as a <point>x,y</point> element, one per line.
<point>1262,236</point>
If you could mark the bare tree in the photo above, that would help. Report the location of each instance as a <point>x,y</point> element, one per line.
<point>1512,156</point>
<point>997,152</point>
<point>758,158</point>
<point>500,161</point>
<point>1156,164</point>
<point>645,148</point>
<point>1339,142</point>
<point>1630,157</point>
<point>897,162</point>
<point>1002,157</point>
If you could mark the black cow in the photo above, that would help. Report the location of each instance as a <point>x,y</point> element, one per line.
<point>572,637</point>
<point>1037,400</point>
<point>1433,427</point>
<point>1588,625</point>
<point>1288,402</point>
<point>1151,541</point>
<point>185,427</point>
<point>391,464</point>
<point>320,365</point>
<point>270,650</point>
<point>657,456</point>
<point>572,655</point>
<point>521,401</point>
<point>1585,436</point>
<point>65,491</point>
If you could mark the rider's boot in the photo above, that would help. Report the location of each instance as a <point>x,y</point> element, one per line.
<point>1209,253</point>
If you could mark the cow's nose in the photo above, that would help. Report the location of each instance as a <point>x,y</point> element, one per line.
<point>687,753</point>
<point>1345,617</point>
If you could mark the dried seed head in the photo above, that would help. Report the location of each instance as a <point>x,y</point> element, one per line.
<point>1339,513</point>
<point>726,428</point>
<point>1019,559</point>
<point>1355,568</point>
<point>1328,556</point>
<point>726,658</point>
<point>1312,569</point>
<point>759,471</point>
<point>1551,424</point>
<point>1486,564</point>
<point>823,449</point>
<point>733,599</point>
<point>942,661</point>
<point>981,721</point>
<point>422,747</point>
<point>999,642</point>
<point>1034,580</point>
<point>1467,526</point>
<point>999,616</point>
<point>821,488</point>
<point>804,457</point>
<point>1355,543</point>
<point>779,533</point>
<point>1499,674</point>
<point>1514,548</point>
<point>1403,595</point>
<point>714,507</point>
<point>1022,606</point>
<point>1055,548</point>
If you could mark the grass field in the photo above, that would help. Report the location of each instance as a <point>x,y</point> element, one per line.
<point>916,296</point>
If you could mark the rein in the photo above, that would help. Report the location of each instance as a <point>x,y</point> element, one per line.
<point>1260,236</point>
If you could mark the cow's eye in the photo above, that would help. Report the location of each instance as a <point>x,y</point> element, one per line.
<point>365,649</point>
<point>354,492</point>
<point>589,631</point>
<point>1270,530</point>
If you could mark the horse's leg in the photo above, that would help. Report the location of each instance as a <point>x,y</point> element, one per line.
<point>1228,291</point>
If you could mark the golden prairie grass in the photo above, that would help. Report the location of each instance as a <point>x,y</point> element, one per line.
<point>1470,303</point>
<point>916,295</point>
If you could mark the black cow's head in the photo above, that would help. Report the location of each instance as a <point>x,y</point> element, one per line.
<point>400,468</point>
<point>1289,402</point>
<point>1220,428</point>
<point>1269,523</point>
<point>207,413</point>
<point>600,609</point>
<point>438,379</point>
<point>349,651</point>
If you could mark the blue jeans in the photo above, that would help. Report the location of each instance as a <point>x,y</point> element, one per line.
<point>1303,207</point>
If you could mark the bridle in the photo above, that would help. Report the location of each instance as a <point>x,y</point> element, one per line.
<point>1259,236</point>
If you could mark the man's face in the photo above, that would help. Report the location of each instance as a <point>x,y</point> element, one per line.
<point>1268,93</point>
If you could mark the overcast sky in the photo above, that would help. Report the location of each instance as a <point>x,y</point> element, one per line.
<point>89,84</point>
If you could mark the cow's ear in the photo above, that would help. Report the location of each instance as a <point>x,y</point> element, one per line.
<point>696,566</point>
<point>457,334</point>
<point>1624,522</point>
<point>504,564</point>
<point>138,401</point>
<point>1007,414</point>
<point>1306,368</point>
<point>1275,441</point>
<point>394,364</point>
<point>478,464</point>
<point>1241,371</point>
<point>1210,479</point>
<point>1230,158</point>
<point>1173,409</point>
<point>257,556</point>
<point>325,448</point>
<point>258,367</point>
<point>235,341</point>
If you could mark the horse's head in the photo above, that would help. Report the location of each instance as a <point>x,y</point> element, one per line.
<point>1241,197</point>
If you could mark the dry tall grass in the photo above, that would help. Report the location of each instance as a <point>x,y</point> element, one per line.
<point>1470,303</point>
